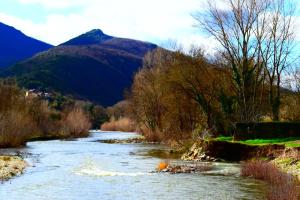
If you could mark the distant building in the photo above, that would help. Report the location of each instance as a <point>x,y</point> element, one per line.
<point>33,93</point>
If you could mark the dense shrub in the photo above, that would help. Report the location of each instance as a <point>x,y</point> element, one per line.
<point>97,115</point>
<point>153,136</point>
<point>15,128</point>
<point>16,122</point>
<point>290,108</point>
<point>76,124</point>
<point>122,124</point>
<point>119,110</point>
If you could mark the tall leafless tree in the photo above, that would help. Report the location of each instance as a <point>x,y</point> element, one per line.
<point>255,38</point>
<point>276,42</point>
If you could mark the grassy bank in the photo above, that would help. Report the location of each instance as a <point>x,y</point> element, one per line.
<point>288,142</point>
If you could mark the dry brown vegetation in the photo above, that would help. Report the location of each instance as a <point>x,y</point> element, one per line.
<point>152,136</point>
<point>77,123</point>
<point>16,124</point>
<point>23,118</point>
<point>122,124</point>
<point>119,110</point>
<point>15,129</point>
<point>290,108</point>
<point>281,185</point>
<point>177,96</point>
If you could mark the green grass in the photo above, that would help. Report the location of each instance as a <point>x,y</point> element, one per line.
<point>284,161</point>
<point>288,142</point>
<point>293,144</point>
<point>224,138</point>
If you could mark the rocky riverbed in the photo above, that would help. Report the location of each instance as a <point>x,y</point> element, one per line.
<point>197,153</point>
<point>186,168</point>
<point>139,140</point>
<point>11,166</point>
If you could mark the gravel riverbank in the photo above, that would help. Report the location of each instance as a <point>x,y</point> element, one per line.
<point>11,166</point>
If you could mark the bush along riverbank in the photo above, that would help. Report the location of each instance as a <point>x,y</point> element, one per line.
<point>11,166</point>
<point>28,116</point>
<point>281,185</point>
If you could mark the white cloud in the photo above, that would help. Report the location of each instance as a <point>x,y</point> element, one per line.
<point>154,20</point>
<point>57,4</point>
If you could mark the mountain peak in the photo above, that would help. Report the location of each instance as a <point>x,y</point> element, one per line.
<point>96,32</point>
<point>95,36</point>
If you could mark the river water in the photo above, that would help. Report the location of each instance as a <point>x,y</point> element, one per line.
<point>85,169</point>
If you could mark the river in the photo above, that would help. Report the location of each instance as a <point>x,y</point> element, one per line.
<point>85,169</point>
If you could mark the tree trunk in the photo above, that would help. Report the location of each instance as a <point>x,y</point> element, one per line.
<point>275,102</point>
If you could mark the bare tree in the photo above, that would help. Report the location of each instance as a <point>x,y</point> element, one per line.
<point>276,42</point>
<point>234,28</point>
<point>256,37</point>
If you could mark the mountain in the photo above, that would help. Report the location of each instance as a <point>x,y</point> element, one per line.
<point>95,36</point>
<point>93,66</point>
<point>16,46</point>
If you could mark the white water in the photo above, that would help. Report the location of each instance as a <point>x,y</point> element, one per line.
<point>91,169</point>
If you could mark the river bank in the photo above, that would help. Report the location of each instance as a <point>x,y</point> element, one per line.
<point>277,165</point>
<point>11,166</point>
<point>285,158</point>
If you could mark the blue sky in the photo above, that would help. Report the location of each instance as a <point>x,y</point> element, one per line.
<point>55,21</point>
